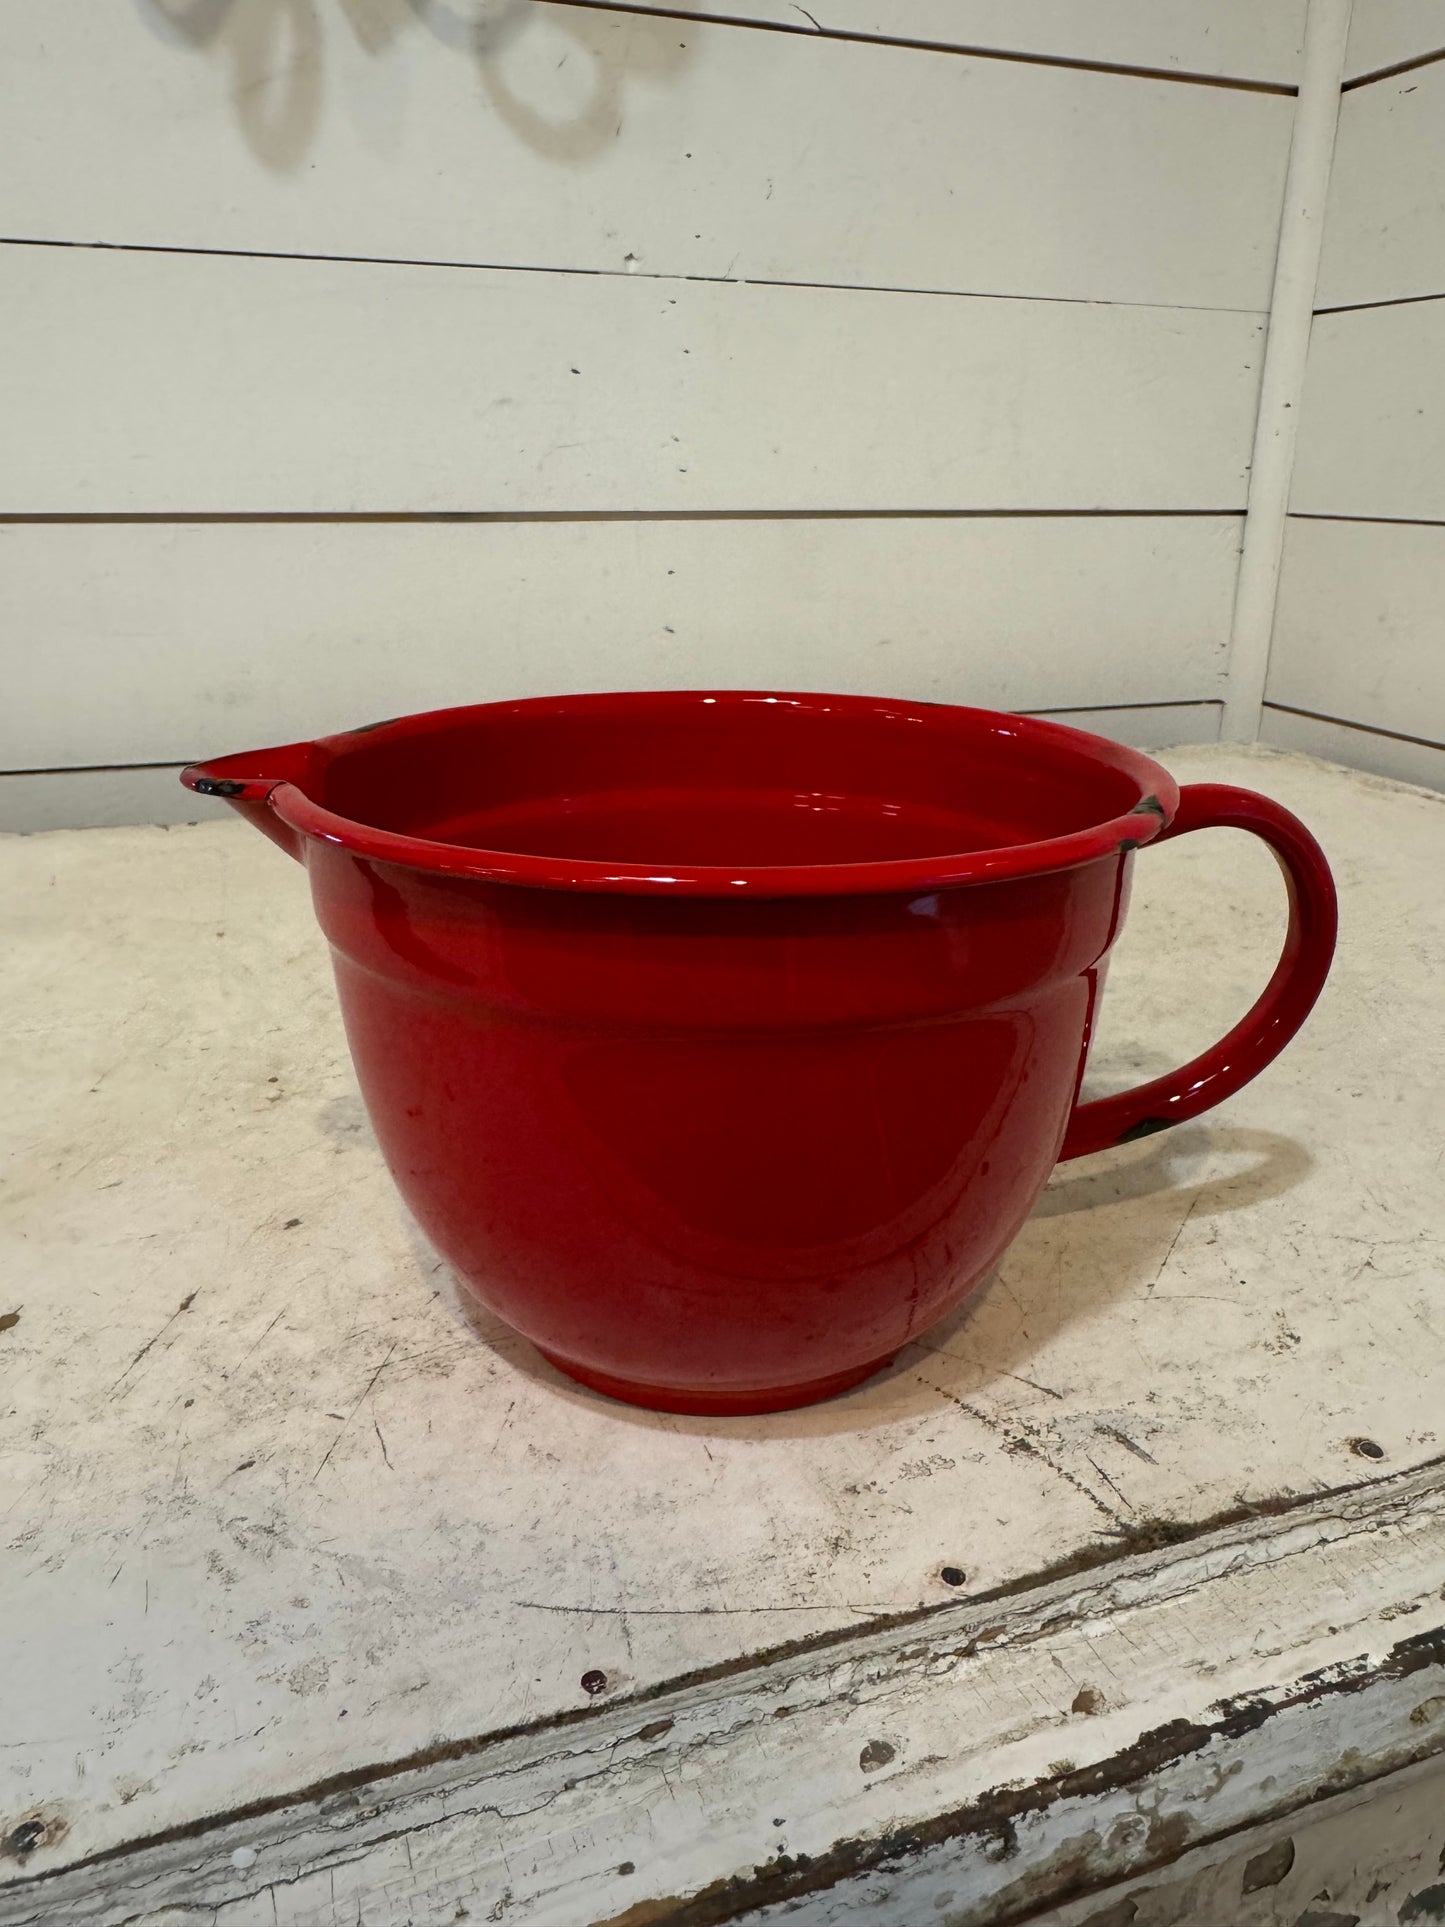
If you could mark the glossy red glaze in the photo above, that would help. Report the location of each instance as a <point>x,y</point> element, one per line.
<point>723,1041</point>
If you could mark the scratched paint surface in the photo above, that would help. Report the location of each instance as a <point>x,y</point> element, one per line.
<point>1374,1859</point>
<point>275,1504</point>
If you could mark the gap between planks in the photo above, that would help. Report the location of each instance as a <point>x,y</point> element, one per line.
<point>1380,521</point>
<point>1364,729</point>
<point>86,518</point>
<point>611,274</point>
<point>1389,301</point>
<point>810,29</point>
<point>1381,73</point>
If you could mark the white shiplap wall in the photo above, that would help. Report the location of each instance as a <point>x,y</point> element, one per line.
<point>1357,669</point>
<point>1235,40</point>
<point>653,347</point>
<point>1393,33</point>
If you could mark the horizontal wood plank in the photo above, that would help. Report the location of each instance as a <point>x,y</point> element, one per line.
<point>181,383</point>
<point>1231,39</point>
<point>193,639</point>
<point>1385,32</point>
<point>1355,746</point>
<point>1358,630</point>
<point>1384,237</point>
<point>580,138</point>
<point>1372,420</point>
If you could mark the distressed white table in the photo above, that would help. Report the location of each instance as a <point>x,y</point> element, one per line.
<point>304,1561</point>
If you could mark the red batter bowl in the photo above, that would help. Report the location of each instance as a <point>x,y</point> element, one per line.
<point>722,1041</point>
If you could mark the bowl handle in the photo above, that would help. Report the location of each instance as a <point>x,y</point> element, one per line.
<point>1286,1001</point>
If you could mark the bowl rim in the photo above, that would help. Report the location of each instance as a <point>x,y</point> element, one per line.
<point>275,779</point>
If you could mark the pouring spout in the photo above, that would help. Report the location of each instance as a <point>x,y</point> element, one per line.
<point>238,780</point>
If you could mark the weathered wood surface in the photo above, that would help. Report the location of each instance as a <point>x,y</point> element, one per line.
<point>279,1511</point>
<point>1372,1858</point>
<point>969,1764</point>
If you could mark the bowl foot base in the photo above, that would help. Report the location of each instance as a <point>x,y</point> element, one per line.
<point>699,1404</point>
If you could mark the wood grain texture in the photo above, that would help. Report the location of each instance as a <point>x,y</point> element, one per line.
<point>1385,32</point>
<point>1355,747</point>
<point>178,383</point>
<point>1372,425</point>
<point>1374,1852</point>
<point>1232,39</point>
<point>874,1803</point>
<point>1358,629</point>
<point>573,138</point>
<point>374,1505</point>
<point>224,635</point>
<point>1385,225</point>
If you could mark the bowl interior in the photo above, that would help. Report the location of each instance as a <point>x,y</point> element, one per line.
<point>727,779</point>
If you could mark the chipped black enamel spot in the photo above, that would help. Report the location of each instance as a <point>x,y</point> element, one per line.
<point>1146,1127</point>
<point>218,786</point>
